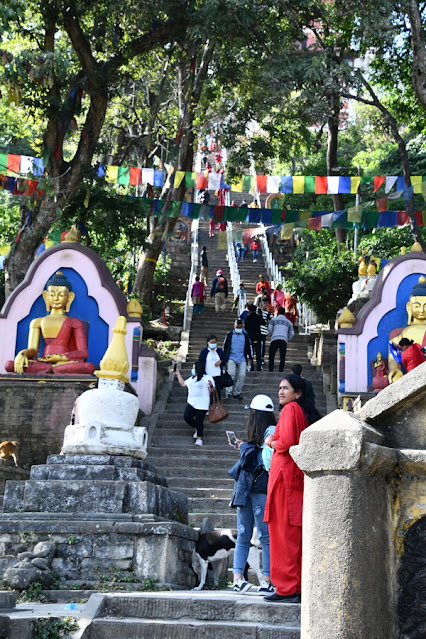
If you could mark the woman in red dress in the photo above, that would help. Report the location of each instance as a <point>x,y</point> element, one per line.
<point>283,510</point>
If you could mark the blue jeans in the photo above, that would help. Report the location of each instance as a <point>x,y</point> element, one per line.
<point>255,254</point>
<point>249,516</point>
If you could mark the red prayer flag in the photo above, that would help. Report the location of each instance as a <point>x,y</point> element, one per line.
<point>382,204</point>
<point>419,217</point>
<point>314,223</point>
<point>31,187</point>
<point>13,164</point>
<point>261,183</point>
<point>320,185</point>
<point>135,176</point>
<point>378,181</point>
<point>202,182</point>
<point>402,218</point>
<point>218,213</point>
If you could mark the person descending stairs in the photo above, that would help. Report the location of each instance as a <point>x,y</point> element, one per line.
<point>200,472</point>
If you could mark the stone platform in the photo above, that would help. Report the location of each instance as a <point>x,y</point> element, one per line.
<point>106,515</point>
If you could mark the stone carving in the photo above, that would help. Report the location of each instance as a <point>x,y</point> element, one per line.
<point>66,345</point>
<point>31,567</point>
<point>412,583</point>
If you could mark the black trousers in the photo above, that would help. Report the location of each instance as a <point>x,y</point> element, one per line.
<point>218,386</point>
<point>263,343</point>
<point>257,347</point>
<point>195,418</point>
<point>280,344</point>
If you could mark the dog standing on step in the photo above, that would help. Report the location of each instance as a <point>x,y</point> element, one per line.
<point>212,548</point>
<point>9,449</point>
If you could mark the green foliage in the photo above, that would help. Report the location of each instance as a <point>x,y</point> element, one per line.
<point>52,628</point>
<point>34,592</point>
<point>320,276</point>
<point>387,243</point>
<point>166,349</point>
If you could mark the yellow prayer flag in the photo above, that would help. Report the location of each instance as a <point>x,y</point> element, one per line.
<point>298,183</point>
<point>111,173</point>
<point>354,214</point>
<point>237,186</point>
<point>222,241</point>
<point>304,215</point>
<point>4,250</point>
<point>424,190</point>
<point>287,231</point>
<point>178,179</point>
<point>355,184</point>
<point>416,182</point>
<point>49,243</point>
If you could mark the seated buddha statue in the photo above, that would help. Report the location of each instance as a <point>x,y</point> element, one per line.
<point>416,326</point>
<point>65,351</point>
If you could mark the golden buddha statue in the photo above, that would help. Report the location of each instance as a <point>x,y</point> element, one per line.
<point>416,326</point>
<point>371,268</point>
<point>65,351</point>
<point>362,268</point>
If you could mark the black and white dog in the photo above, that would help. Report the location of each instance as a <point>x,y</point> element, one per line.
<point>213,547</point>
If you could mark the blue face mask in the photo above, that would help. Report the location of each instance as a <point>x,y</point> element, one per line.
<point>193,372</point>
<point>238,330</point>
<point>212,345</point>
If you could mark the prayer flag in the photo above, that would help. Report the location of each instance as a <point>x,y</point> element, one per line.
<point>218,213</point>
<point>179,175</point>
<point>231,213</point>
<point>266,216</point>
<point>148,176</point>
<point>344,184</point>
<point>287,231</point>
<point>123,175</point>
<point>222,241</point>
<point>407,193</point>
<point>314,224</point>
<point>158,177</point>
<point>416,181</point>
<point>333,184</point>
<point>378,181</point>
<point>214,181</point>
<point>390,182</point>
<point>367,179</point>
<point>27,164</point>
<point>355,181</point>
<point>5,249</point>
<point>273,183</point>
<point>298,184</point>
<point>38,167</point>
<point>354,214</point>
<point>309,184</point>
<point>420,218</point>
<point>202,181</point>
<point>304,215</point>
<point>400,183</point>
<point>286,184</point>
<point>254,216</point>
<point>190,179</point>
<point>248,183</point>
<point>370,219</point>
<point>237,184</point>
<point>261,183</point>
<point>402,218</point>
<point>101,170</point>
<point>3,162</point>
<point>278,217</point>
<point>320,185</point>
<point>111,174</point>
<point>382,204</point>
<point>327,221</point>
<point>387,219</point>
<point>135,176</point>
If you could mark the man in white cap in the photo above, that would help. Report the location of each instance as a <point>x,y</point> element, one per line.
<point>219,291</point>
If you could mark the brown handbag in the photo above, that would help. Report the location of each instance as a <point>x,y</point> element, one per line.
<point>217,412</point>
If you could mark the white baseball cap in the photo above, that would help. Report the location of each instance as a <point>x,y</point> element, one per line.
<point>262,402</point>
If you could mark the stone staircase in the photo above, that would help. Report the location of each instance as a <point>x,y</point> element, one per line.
<point>201,472</point>
<point>192,616</point>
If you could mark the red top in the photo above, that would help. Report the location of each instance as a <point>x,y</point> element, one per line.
<point>412,357</point>
<point>261,285</point>
<point>291,424</point>
<point>254,246</point>
<point>70,341</point>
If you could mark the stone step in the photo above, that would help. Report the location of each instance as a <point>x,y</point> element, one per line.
<point>210,484</point>
<point>198,472</point>
<point>203,493</point>
<point>209,505</point>
<point>220,520</point>
<point>223,605</point>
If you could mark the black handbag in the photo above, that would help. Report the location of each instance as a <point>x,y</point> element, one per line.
<point>226,380</point>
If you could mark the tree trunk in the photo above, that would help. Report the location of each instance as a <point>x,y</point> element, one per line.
<point>411,7</point>
<point>332,163</point>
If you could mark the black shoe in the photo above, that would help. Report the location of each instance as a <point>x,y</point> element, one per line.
<point>238,396</point>
<point>283,598</point>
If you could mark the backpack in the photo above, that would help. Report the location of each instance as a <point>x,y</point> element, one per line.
<point>221,285</point>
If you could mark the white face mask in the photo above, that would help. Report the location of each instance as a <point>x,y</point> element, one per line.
<point>212,345</point>
<point>193,372</point>
<point>238,330</point>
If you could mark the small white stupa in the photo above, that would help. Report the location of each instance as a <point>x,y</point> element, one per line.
<point>103,419</point>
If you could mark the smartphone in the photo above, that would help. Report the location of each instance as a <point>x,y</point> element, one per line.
<point>175,367</point>
<point>232,439</point>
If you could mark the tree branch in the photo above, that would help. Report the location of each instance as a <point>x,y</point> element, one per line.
<point>412,9</point>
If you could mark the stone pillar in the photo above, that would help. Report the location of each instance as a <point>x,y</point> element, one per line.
<point>347,546</point>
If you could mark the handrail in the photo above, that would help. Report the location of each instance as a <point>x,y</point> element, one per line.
<point>232,262</point>
<point>187,314</point>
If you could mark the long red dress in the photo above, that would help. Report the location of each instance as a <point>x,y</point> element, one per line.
<point>283,510</point>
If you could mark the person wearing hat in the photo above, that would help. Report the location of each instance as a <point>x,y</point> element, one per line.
<point>249,496</point>
<point>219,291</point>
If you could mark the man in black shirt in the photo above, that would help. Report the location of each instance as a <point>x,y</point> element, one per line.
<point>310,394</point>
<point>252,324</point>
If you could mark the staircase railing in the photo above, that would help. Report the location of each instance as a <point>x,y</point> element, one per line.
<point>233,264</point>
<point>307,317</point>
<point>187,314</point>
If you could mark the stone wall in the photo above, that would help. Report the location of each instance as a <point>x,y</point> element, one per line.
<point>35,413</point>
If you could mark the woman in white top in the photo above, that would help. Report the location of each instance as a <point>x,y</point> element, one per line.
<point>212,359</point>
<point>198,399</point>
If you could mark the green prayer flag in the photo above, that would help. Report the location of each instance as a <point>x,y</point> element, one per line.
<point>3,162</point>
<point>248,182</point>
<point>367,179</point>
<point>309,184</point>
<point>241,214</point>
<point>190,179</point>
<point>123,176</point>
<point>174,209</point>
<point>291,216</point>
<point>276,217</point>
<point>230,213</point>
<point>370,219</point>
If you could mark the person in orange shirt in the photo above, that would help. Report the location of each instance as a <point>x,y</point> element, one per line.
<point>262,283</point>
